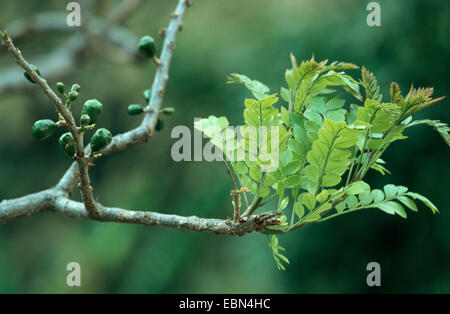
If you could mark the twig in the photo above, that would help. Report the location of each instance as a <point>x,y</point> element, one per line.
<point>234,192</point>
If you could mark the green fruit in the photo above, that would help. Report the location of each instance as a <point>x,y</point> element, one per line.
<point>43,129</point>
<point>100,139</point>
<point>73,95</point>
<point>159,125</point>
<point>66,143</point>
<point>168,111</point>
<point>28,75</point>
<point>76,87</point>
<point>134,110</point>
<point>147,46</point>
<point>60,87</point>
<point>84,119</point>
<point>147,95</point>
<point>92,108</point>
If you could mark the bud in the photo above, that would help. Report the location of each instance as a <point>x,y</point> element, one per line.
<point>100,139</point>
<point>134,110</point>
<point>168,111</point>
<point>92,108</point>
<point>43,129</point>
<point>147,46</point>
<point>66,143</point>
<point>84,119</point>
<point>28,75</point>
<point>76,87</point>
<point>60,87</point>
<point>147,95</point>
<point>73,95</point>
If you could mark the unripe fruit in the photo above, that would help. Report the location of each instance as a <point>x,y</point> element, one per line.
<point>100,139</point>
<point>168,111</point>
<point>159,125</point>
<point>43,129</point>
<point>84,119</point>
<point>76,87</point>
<point>28,75</point>
<point>147,46</point>
<point>66,143</point>
<point>73,95</point>
<point>60,87</point>
<point>147,95</point>
<point>92,108</point>
<point>134,110</point>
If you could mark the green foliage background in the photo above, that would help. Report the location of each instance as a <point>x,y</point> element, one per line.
<point>253,37</point>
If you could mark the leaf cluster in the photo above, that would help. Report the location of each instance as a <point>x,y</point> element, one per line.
<point>324,147</point>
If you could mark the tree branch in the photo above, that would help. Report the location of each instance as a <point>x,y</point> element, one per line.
<point>54,200</point>
<point>192,223</point>
<point>69,122</point>
<point>142,133</point>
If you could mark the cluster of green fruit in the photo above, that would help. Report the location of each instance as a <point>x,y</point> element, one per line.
<point>43,129</point>
<point>92,108</point>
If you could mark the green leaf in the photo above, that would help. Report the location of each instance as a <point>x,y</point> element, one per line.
<point>340,207</point>
<point>396,95</point>
<point>424,200</point>
<point>351,201</point>
<point>358,187</point>
<point>285,158</point>
<point>365,198</point>
<point>370,85</point>
<point>442,128</point>
<point>322,196</point>
<point>377,195</point>
<point>331,108</point>
<point>329,157</point>
<point>291,181</point>
<point>390,190</point>
<point>264,192</point>
<point>399,210</point>
<point>408,203</point>
<point>258,89</point>
<point>240,167</point>
<point>285,116</point>
<point>381,169</point>
<point>386,207</point>
<point>255,173</point>
<point>284,203</point>
<point>292,167</point>
<point>299,209</point>
<point>312,217</point>
<point>309,200</point>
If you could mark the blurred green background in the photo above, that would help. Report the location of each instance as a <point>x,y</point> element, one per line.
<point>252,37</point>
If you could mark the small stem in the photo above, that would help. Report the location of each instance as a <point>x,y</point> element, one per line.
<point>235,192</point>
<point>243,192</point>
<point>350,171</point>
<point>366,137</point>
<point>256,200</point>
